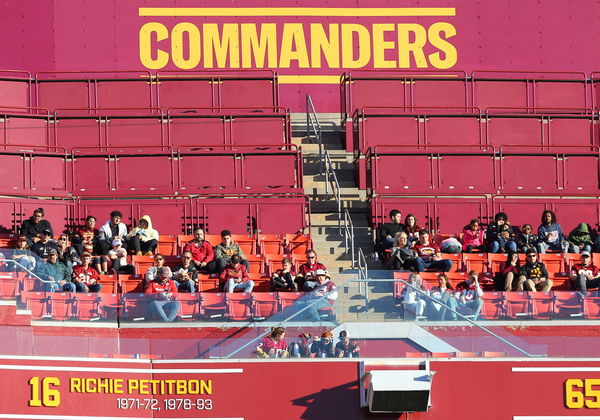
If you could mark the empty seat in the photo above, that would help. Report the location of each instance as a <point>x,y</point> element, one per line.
<point>568,305</point>
<point>518,305</point>
<point>86,306</point>
<point>38,303</point>
<point>266,304</point>
<point>134,306</point>
<point>213,306</point>
<point>493,305</point>
<point>542,305</point>
<point>239,306</point>
<point>190,306</point>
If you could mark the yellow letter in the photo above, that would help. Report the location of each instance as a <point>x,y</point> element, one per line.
<point>228,44</point>
<point>405,47</point>
<point>181,386</point>
<point>162,57</point>
<point>206,387</point>
<point>447,48</point>
<point>293,46</point>
<point>118,386</point>
<point>380,45</point>
<point>132,384</point>
<point>90,385</point>
<point>177,52</point>
<point>329,46</point>
<point>75,385</point>
<point>364,46</point>
<point>252,46</point>
<point>144,386</point>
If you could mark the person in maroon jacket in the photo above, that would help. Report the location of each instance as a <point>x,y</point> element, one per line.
<point>584,276</point>
<point>164,306</point>
<point>85,277</point>
<point>202,252</point>
<point>235,276</point>
<point>509,272</point>
<point>307,271</point>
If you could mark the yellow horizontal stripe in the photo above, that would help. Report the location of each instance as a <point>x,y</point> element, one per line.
<point>297,11</point>
<point>308,79</point>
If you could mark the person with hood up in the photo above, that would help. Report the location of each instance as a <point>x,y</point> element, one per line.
<point>580,239</point>
<point>143,239</point>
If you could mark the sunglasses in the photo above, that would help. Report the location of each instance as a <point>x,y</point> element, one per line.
<point>532,256</point>
<point>159,259</point>
<point>312,258</point>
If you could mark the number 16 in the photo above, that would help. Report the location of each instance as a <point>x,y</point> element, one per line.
<point>50,396</point>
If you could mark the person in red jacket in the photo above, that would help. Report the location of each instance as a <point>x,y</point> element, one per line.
<point>306,272</point>
<point>85,277</point>
<point>164,306</point>
<point>235,276</point>
<point>202,252</point>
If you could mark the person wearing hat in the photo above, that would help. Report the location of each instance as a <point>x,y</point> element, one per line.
<point>165,306</point>
<point>302,346</point>
<point>307,270</point>
<point>346,347</point>
<point>54,274</point>
<point>584,276</point>
<point>323,293</point>
<point>323,347</point>
<point>118,258</point>
<point>44,245</point>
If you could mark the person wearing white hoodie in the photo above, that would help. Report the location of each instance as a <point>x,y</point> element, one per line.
<point>143,239</point>
<point>112,229</point>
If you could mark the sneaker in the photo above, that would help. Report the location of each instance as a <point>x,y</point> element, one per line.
<point>148,254</point>
<point>138,253</point>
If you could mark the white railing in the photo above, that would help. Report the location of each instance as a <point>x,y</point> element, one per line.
<point>313,129</point>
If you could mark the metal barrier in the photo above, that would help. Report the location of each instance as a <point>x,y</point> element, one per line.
<point>348,233</point>
<point>332,181</point>
<point>313,128</point>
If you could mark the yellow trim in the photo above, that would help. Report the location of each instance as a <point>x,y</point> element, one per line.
<point>287,79</point>
<point>297,11</point>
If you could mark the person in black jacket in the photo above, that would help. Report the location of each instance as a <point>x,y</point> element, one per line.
<point>33,227</point>
<point>386,234</point>
<point>534,274</point>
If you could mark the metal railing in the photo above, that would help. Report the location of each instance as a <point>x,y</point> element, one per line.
<point>331,182</point>
<point>348,234</point>
<point>25,269</point>
<point>363,274</point>
<point>313,129</point>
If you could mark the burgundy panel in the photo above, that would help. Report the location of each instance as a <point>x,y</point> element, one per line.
<point>13,179</point>
<point>145,174</point>
<point>514,130</point>
<point>403,174</point>
<point>8,216</point>
<point>207,172</point>
<point>531,173</point>
<point>55,95</point>
<point>560,94</point>
<point>571,131</point>
<point>49,174</point>
<point>570,213</point>
<point>281,216</point>
<point>453,215</point>
<point>78,133</point>
<point>31,131</point>
<point>467,174</point>
<point>134,131</point>
<point>226,214</point>
<point>581,174</point>
<point>168,217</point>
<point>258,130</point>
<point>101,210</point>
<point>512,94</point>
<point>277,173</point>
<point>377,93</point>
<point>14,93</point>
<point>55,212</point>
<point>123,94</point>
<point>521,211</point>
<point>422,208</point>
<point>91,175</point>
<point>196,131</point>
<point>247,93</point>
<point>439,93</point>
<point>185,94</point>
<point>452,130</point>
<point>383,131</point>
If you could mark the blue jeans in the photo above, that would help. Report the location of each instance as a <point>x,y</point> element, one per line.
<point>575,249</point>
<point>542,247</point>
<point>439,314</point>
<point>246,286</point>
<point>92,288</point>
<point>56,287</point>
<point>442,265</point>
<point>495,246</point>
<point>163,310</point>
<point>186,286</point>
<point>474,305</point>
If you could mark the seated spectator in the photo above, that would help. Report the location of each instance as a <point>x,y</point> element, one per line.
<point>403,256</point>
<point>386,234</point>
<point>86,238</point>
<point>499,235</point>
<point>451,246</point>
<point>442,293</point>
<point>346,347</point>
<point>85,277</point>
<point>185,274</point>
<point>526,239</point>
<point>113,229</point>
<point>234,276</point>
<point>164,306</point>
<point>411,228</point>
<point>67,254</point>
<point>413,303</point>
<point>323,347</point>
<point>429,255</point>
<point>321,285</point>
<point>584,275</point>
<point>202,252</point>
<point>55,276</point>
<point>274,345</point>
<point>468,294</point>
<point>534,274</point>
<point>118,258</point>
<point>508,273</point>
<point>550,234</point>
<point>33,227</point>
<point>23,255</point>
<point>152,273</point>
<point>143,239</point>
<point>580,239</point>
<point>283,278</point>
<point>225,250</point>
<point>44,245</point>
<point>302,346</point>
<point>473,239</point>
<point>308,269</point>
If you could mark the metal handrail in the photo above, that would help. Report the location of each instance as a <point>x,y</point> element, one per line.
<point>363,274</point>
<point>31,273</point>
<point>331,180</point>
<point>314,126</point>
<point>348,233</point>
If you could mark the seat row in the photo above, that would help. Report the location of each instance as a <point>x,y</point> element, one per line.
<point>132,306</point>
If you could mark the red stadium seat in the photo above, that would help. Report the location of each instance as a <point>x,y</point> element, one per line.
<point>477,262</point>
<point>266,304</point>
<point>555,263</point>
<point>297,244</point>
<point>38,303</point>
<point>213,305</point>
<point>190,305</point>
<point>142,263</point>
<point>62,305</point>
<point>270,244</point>
<point>10,285</point>
<point>86,306</point>
<point>568,305</point>
<point>518,305</point>
<point>130,283</point>
<point>287,299</point>
<point>493,305</point>
<point>239,306</point>
<point>591,307</point>
<point>542,305</point>
<point>134,306</point>
<point>167,245</point>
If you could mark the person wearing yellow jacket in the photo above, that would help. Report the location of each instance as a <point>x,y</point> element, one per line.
<point>143,239</point>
